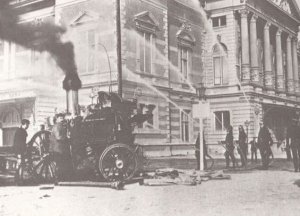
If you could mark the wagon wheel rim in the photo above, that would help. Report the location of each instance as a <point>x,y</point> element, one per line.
<point>39,144</point>
<point>118,163</point>
<point>44,170</point>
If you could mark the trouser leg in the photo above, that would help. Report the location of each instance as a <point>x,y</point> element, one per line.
<point>231,154</point>
<point>243,156</point>
<point>227,158</point>
<point>295,158</point>
<point>245,153</point>
<point>263,154</point>
<point>198,160</point>
<point>298,157</point>
<point>288,152</point>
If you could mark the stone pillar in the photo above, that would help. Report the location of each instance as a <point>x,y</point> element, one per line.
<point>267,58</point>
<point>245,46</point>
<point>290,79</point>
<point>253,50</point>
<point>279,65</point>
<point>295,65</point>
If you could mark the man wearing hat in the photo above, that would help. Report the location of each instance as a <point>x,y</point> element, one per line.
<point>293,139</point>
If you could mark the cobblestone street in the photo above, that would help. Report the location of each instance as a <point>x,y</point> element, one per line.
<point>252,192</point>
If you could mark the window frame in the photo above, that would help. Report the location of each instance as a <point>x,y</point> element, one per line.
<point>223,64</point>
<point>224,125</point>
<point>89,51</point>
<point>142,49</point>
<point>185,123</point>
<point>185,73</point>
<point>219,21</point>
<point>24,52</point>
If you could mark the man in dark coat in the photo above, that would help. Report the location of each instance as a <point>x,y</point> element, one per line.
<point>229,147</point>
<point>60,148</point>
<point>293,139</point>
<point>20,140</point>
<point>19,145</point>
<point>243,145</point>
<point>264,141</point>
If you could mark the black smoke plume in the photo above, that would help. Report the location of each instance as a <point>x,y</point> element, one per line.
<point>44,37</point>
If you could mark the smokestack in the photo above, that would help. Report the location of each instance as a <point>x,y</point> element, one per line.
<point>45,37</point>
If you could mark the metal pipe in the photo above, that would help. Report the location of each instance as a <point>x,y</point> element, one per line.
<point>67,101</point>
<point>108,65</point>
<point>75,108</point>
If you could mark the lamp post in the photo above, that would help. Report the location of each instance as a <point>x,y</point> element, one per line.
<point>200,152</point>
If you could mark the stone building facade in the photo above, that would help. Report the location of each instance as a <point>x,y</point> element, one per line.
<point>28,84</point>
<point>162,46</point>
<point>243,52</point>
<point>251,67</point>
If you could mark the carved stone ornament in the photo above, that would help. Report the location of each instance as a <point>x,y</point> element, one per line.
<point>267,26</point>
<point>145,21</point>
<point>244,13</point>
<point>269,79</point>
<point>280,82</point>
<point>186,27</point>
<point>185,36</point>
<point>283,4</point>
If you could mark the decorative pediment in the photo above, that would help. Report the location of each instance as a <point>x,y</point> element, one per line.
<point>289,6</point>
<point>85,17</point>
<point>146,21</point>
<point>185,36</point>
<point>284,4</point>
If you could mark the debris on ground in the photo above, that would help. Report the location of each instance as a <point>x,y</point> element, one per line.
<point>45,196</point>
<point>47,187</point>
<point>163,177</point>
<point>214,175</point>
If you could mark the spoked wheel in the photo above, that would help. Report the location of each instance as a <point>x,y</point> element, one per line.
<point>39,144</point>
<point>44,170</point>
<point>118,162</point>
<point>24,175</point>
<point>42,165</point>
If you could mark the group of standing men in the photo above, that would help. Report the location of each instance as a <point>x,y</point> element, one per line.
<point>264,144</point>
<point>59,146</point>
<point>229,146</point>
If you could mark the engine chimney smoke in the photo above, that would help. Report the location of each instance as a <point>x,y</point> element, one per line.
<point>44,37</point>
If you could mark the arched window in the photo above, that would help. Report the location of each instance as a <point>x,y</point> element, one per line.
<point>220,65</point>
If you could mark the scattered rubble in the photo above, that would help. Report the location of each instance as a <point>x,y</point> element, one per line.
<point>163,177</point>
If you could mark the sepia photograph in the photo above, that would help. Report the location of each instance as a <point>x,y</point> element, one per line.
<point>149,107</point>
